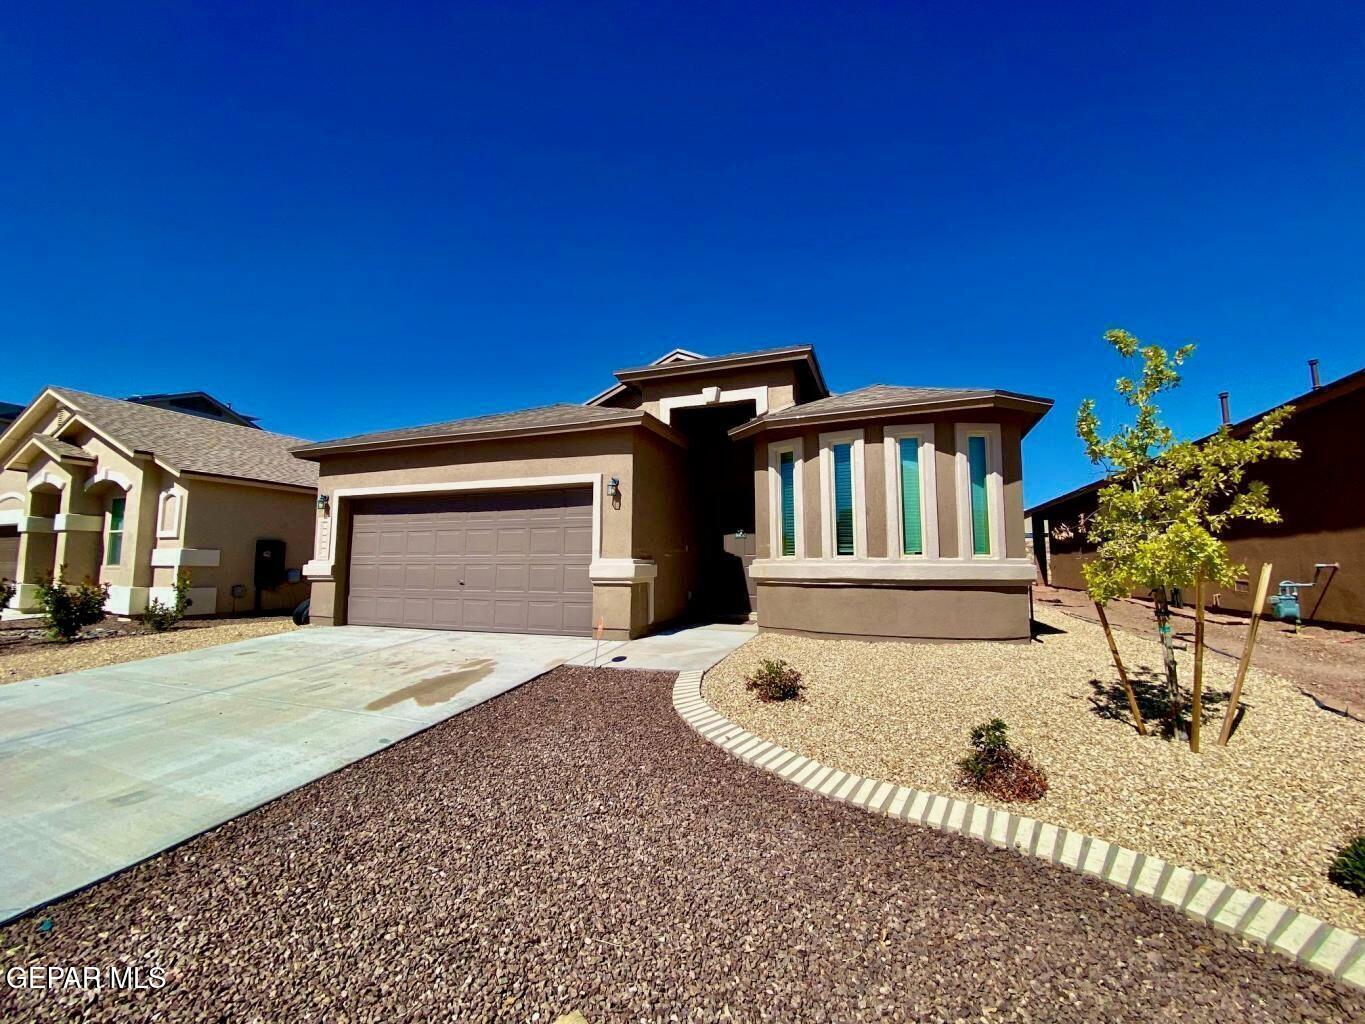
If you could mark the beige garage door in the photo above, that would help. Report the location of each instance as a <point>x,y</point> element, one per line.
<point>508,562</point>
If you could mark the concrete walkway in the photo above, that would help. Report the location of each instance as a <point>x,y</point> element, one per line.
<point>107,766</point>
<point>685,649</point>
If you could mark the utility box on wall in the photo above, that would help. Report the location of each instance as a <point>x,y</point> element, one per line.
<point>270,570</point>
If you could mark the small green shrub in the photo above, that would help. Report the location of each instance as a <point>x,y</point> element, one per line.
<point>775,680</point>
<point>68,608</point>
<point>995,767</point>
<point>1348,866</point>
<point>159,616</point>
<point>6,592</point>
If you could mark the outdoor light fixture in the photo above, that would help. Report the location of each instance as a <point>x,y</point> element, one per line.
<point>614,488</point>
<point>324,504</point>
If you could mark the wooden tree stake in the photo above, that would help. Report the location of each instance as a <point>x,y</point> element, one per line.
<point>1262,585</point>
<point>1123,676</point>
<point>1196,701</point>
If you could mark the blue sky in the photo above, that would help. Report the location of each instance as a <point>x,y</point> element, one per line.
<point>296,206</point>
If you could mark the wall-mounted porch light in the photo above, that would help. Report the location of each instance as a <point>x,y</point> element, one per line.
<point>613,488</point>
<point>324,504</point>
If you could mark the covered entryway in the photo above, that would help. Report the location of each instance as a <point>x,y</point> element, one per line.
<point>506,562</point>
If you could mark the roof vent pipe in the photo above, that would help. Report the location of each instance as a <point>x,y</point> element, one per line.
<point>1223,403</point>
<point>1313,373</point>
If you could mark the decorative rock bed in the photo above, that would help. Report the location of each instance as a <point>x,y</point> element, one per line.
<point>1265,813</point>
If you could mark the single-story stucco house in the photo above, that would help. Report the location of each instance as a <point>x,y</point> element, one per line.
<point>130,491</point>
<point>694,488</point>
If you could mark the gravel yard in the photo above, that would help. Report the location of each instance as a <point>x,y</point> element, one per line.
<point>32,659</point>
<point>1265,813</point>
<point>572,845</point>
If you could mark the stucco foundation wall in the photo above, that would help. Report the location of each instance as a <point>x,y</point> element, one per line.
<point>926,613</point>
<point>230,518</point>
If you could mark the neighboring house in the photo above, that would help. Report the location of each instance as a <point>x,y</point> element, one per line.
<point>129,494</point>
<point>9,412</point>
<point>196,403</point>
<point>693,488</point>
<point>1320,495</point>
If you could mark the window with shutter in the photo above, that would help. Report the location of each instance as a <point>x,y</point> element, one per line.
<point>786,468</point>
<point>912,529</point>
<point>981,520</point>
<point>843,499</point>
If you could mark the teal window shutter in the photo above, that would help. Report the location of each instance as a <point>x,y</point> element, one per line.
<point>912,530</point>
<point>843,499</point>
<point>786,471</point>
<point>981,519</point>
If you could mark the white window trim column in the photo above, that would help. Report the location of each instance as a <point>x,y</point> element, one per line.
<point>179,495</point>
<point>775,450</point>
<point>827,540</point>
<point>928,489</point>
<point>995,490</point>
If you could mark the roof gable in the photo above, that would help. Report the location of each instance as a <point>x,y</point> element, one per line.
<point>181,442</point>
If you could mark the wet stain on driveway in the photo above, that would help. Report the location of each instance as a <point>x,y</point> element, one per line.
<point>437,689</point>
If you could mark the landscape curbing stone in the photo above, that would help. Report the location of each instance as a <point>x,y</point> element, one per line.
<point>1301,937</point>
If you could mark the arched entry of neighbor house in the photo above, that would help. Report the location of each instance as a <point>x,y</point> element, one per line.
<point>11,511</point>
<point>108,495</point>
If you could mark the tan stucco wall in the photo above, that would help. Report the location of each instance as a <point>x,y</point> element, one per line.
<point>928,613</point>
<point>662,527</point>
<point>781,382</point>
<point>231,518</point>
<point>905,609</point>
<point>606,452</point>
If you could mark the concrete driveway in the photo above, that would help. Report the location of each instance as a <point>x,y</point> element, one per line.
<point>107,766</point>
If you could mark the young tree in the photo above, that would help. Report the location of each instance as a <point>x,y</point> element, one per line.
<point>1167,501</point>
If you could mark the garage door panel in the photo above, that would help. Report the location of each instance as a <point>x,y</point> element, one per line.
<point>364,542</point>
<point>577,617</point>
<point>447,575</point>
<point>510,579</point>
<point>545,579</point>
<point>446,614</point>
<point>510,561</point>
<point>420,542</point>
<point>576,580</point>
<point>417,576</point>
<point>477,613</point>
<point>481,577</point>
<point>450,542</point>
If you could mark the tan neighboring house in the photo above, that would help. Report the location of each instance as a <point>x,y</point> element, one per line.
<point>130,492</point>
<point>695,488</point>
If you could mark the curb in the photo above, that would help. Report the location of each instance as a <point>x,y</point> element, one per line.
<point>1301,937</point>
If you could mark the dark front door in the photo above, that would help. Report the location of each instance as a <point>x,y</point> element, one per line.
<point>721,484</point>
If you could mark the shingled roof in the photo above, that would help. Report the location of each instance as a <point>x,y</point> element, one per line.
<point>889,398</point>
<point>561,416</point>
<point>193,444</point>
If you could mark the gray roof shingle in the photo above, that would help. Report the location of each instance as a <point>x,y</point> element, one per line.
<point>194,444</point>
<point>878,397</point>
<point>62,448</point>
<point>546,416</point>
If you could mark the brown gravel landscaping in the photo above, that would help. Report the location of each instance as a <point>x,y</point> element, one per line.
<point>25,654</point>
<point>1265,813</point>
<point>572,845</point>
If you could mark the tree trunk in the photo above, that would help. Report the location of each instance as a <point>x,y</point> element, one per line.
<point>1123,676</point>
<point>1197,688</point>
<point>1163,627</point>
